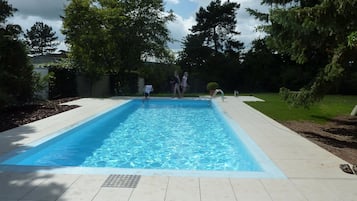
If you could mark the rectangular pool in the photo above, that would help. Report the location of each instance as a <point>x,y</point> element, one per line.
<point>167,136</point>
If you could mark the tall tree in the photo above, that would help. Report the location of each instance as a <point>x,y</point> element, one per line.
<point>41,39</point>
<point>213,42</point>
<point>308,31</point>
<point>145,31</point>
<point>115,35</point>
<point>16,80</point>
<point>88,39</point>
<point>217,25</point>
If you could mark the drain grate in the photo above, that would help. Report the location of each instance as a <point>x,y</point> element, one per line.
<point>121,181</point>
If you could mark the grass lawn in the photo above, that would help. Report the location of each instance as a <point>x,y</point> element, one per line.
<point>331,106</point>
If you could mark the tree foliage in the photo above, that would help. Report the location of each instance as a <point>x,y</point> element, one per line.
<point>115,35</point>
<point>16,80</point>
<point>212,49</point>
<point>216,25</point>
<point>41,39</point>
<point>6,11</point>
<point>146,34</point>
<point>314,31</point>
<point>261,69</point>
<point>352,39</point>
<point>82,26</point>
<point>265,70</point>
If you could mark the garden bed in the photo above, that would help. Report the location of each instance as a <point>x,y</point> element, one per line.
<point>338,135</point>
<point>13,117</point>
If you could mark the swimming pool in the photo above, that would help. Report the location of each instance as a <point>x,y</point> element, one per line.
<point>160,134</point>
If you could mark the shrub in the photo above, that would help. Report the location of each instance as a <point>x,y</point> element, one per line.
<point>212,86</point>
<point>16,78</point>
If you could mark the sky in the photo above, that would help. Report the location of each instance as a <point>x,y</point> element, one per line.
<point>49,12</point>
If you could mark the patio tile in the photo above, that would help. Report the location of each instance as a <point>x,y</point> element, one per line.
<point>282,190</point>
<point>183,189</point>
<point>344,189</point>
<point>297,152</point>
<point>274,142</point>
<point>85,188</point>
<point>250,190</point>
<point>324,168</point>
<point>52,188</point>
<point>113,194</point>
<point>16,186</point>
<point>327,190</point>
<point>213,189</point>
<point>316,190</point>
<point>150,189</point>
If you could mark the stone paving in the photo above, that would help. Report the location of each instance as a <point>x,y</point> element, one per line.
<point>312,174</point>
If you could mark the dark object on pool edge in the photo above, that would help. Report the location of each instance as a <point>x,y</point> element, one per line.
<point>354,167</point>
<point>346,168</point>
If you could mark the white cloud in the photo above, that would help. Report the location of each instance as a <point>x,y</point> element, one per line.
<point>201,3</point>
<point>248,32</point>
<point>62,46</point>
<point>179,29</point>
<point>246,24</point>
<point>173,1</point>
<point>47,9</point>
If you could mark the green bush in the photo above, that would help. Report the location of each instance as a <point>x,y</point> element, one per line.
<point>16,76</point>
<point>212,86</point>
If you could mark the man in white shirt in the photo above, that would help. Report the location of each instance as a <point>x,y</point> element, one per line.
<point>147,90</point>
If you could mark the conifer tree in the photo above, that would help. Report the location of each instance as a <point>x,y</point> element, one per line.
<point>311,30</point>
<point>41,39</point>
<point>214,37</point>
<point>216,25</point>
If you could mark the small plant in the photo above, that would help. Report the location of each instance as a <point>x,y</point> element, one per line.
<point>212,86</point>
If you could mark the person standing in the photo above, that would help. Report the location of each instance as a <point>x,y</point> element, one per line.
<point>147,90</point>
<point>184,84</point>
<point>176,85</point>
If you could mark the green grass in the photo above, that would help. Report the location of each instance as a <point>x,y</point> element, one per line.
<point>331,106</point>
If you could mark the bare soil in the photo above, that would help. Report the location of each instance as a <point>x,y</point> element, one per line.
<point>16,116</point>
<point>339,135</point>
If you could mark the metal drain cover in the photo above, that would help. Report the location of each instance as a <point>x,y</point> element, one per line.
<point>121,181</point>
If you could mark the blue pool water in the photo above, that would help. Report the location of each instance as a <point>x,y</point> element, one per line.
<point>155,134</point>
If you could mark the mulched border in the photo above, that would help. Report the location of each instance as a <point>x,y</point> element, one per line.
<point>16,116</point>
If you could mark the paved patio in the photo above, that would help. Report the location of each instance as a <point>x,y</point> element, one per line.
<point>312,173</point>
